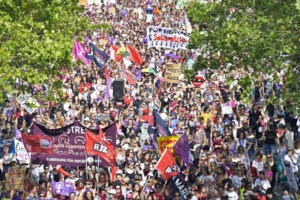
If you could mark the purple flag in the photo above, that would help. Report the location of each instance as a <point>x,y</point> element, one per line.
<point>172,55</point>
<point>18,134</point>
<point>111,40</point>
<point>62,188</point>
<point>79,52</point>
<point>138,74</point>
<point>108,85</point>
<point>182,149</point>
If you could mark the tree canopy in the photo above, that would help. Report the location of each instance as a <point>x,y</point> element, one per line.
<point>37,40</point>
<point>251,36</point>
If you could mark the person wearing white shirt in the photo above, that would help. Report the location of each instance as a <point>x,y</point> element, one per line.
<point>262,182</point>
<point>293,159</point>
<point>231,194</point>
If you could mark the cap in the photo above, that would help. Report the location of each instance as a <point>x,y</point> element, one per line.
<point>87,119</point>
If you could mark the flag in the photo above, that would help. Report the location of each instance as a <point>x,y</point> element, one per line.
<point>162,128</point>
<point>99,145</point>
<point>135,56</point>
<point>130,79</point>
<point>150,2</point>
<point>166,165</point>
<point>137,73</point>
<point>38,143</point>
<point>166,142</point>
<point>18,134</point>
<point>188,25</point>
<point>152,130</point>
<point>182,149</point>
<point>97,56</point>
<point>179,184</point>
<point>113,173</point>
<point>111,133</point>
<point>108,86</point>
<point>79,52</point>
<point>157,126</point>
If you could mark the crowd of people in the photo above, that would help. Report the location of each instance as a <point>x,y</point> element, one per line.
<point>252,152</point>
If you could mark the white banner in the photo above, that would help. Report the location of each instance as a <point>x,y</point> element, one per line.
<point>168,38</point>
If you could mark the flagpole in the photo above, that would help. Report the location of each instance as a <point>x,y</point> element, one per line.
<point>162,155</point>
<point>86,170</point>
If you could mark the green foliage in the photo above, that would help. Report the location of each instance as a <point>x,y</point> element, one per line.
<point>261,35</point>
<point>37,39</point>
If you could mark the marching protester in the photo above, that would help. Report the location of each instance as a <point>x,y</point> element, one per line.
<point>133,128</point>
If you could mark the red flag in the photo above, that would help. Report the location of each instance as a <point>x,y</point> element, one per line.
<point>167,166</point>
<point>134,55</point>
<point>130,79</point>
<point>98,145</point>
<point>113,173</point>
<point>107,73</point>
<point>38,143</point>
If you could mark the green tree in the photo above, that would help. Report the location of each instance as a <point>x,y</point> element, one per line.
<point>259,35</point>
<point>37,40</point>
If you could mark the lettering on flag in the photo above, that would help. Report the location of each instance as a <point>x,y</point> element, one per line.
<point>100,148</point>
<point>168,38</point>
<point>167,166</point>
<point>97,56</point>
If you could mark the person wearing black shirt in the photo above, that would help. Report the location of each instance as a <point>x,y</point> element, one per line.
<point>254,115</point>
<point>269,139</point>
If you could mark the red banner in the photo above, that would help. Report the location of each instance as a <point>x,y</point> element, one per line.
<point>38,143</point>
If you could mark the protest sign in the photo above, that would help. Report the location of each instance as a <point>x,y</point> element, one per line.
<point>172,73</point>
<point>102,43</point>
<point>14,179</point>
<point>7,149</point>
<point>226,109</point>
<point>62,188</point>
<point>111,10</point>
<point>168,38</point>
<point>21,153</point>
<point>69,144</point>
<point>144,136</point>
<point>28,103</point>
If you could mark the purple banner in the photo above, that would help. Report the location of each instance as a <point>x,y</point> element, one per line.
<point>69,145</point>
<point>62,188</point>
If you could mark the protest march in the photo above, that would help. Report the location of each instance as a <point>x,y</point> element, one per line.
<point>133,127</point>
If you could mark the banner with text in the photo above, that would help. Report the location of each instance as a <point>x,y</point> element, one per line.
<point>28,103</point>
<point>14,178</point>
<point>172,73</point>
<point>21,153</point>
<point>168,38</point>
<point>69,145</point>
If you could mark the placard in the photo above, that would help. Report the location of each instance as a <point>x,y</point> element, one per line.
<point>172,73</point>
<point>226,109</point>
<point>28,103</point>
